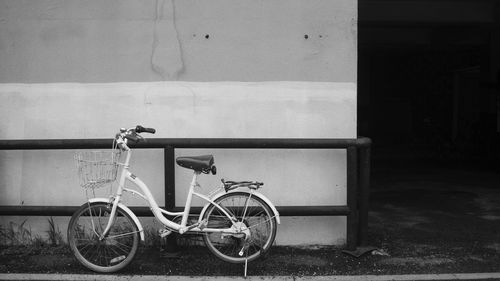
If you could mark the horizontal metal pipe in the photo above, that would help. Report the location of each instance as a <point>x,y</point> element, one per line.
<point>37,210</point>
<point>146,212</point>
<point>35,144</point>
<point>172,143</point>
<point>313,210</point>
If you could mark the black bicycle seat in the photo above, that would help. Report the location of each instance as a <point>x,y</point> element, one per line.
<point>197,163</point>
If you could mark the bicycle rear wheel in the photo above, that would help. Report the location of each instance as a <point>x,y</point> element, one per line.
<point>110,254</point>
<point>253,214</point>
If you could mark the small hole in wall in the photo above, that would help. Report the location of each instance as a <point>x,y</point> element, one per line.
<point>207,36</point>
<point>306,36</point>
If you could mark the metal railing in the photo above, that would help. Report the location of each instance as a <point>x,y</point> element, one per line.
<point>358,175</point>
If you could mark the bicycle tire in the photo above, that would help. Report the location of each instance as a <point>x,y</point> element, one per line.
<point>259,219</point>
<point>112,253</point>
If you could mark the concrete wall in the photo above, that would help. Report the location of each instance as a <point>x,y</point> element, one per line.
<point>115,41</point>
<point>83,69</point>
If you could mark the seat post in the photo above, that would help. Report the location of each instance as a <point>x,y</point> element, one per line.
<point>187,206</point>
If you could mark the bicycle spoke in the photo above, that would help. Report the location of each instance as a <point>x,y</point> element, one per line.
<point>87,247</point>
<point>268,220</point>
<point>123,247</point>
<point>116,252</point>
<point>121,235</point>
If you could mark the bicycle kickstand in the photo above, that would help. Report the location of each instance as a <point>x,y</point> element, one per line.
<point>246,267</point>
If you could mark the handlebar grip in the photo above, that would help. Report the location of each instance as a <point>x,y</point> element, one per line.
<point>140,129</point>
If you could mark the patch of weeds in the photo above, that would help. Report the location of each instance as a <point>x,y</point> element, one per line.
<point>152,237</point>
<point>38,241</point>
<point>19,240</point>
<point>16,234</point>
<point>54,233</point>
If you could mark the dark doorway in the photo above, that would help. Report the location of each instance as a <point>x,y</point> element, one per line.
<point>426,86</point>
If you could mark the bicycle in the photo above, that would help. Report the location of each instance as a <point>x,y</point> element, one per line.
<point>237,225</point>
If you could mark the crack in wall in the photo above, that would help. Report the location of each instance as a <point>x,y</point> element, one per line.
<point>158,13</point>
<point>179,44</point>
<point>166,58</point>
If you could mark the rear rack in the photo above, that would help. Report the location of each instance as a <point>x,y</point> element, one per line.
<point>230,185</point>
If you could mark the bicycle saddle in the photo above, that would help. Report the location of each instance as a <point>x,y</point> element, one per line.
<point>202,163</point>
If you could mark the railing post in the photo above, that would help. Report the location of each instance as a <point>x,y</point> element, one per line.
<point>171,247</point>
<point>169,166</point>
<point>352,184</point>
<point>364,198</point>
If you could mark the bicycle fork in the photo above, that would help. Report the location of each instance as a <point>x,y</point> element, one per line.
<point>115,200</point>
<point>111,220</point>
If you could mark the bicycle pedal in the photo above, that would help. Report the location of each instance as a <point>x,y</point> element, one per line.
<point>242,251</point>
<point>164,233</point>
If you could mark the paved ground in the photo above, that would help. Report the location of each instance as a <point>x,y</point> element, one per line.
<point>444,216</point>
<point>85,277</point>
<point>426,218</point>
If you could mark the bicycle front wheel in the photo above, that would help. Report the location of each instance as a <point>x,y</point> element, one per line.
<point>254,218</point>
<point>108,254</point>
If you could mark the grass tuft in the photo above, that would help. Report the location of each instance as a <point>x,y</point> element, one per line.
<point>15,234</point>
<point>54,233</point>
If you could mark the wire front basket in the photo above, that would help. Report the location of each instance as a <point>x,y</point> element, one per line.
<point>97,168</point>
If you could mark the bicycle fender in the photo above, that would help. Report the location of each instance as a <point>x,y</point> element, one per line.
<point>255,193</point>
<point>127,210</point>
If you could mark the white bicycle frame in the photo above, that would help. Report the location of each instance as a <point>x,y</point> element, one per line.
<point>158,212</point>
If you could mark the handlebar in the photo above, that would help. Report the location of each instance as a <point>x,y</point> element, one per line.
<point>132,134</point>
<point>140,129</point>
